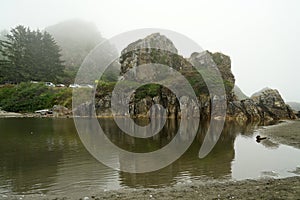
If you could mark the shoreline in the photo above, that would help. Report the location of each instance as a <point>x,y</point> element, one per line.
<point>264,188</point>
<point>286,132</point>
<point>229,118</point>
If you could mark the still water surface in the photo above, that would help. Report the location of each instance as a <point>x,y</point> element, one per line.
<point>46,156</point>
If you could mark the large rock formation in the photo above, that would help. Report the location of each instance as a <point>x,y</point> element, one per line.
<point>155,48</point>
<point>265,105</point>
<point>208,63</point>
<point>272,104</point>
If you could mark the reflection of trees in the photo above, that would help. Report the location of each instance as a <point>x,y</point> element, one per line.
<point>132,144</point>
<point>54,154</point>
<point>215,165</point>
<point>34,152</point>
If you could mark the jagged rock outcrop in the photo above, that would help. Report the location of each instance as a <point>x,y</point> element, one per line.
<point>272,104</point>
<point>155,48</point>
<point>155,40</point>
<point>208,63</point>
<point>243,111</point>
<point>265,105</point>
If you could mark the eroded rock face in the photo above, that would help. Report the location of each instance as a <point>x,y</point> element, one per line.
<point>272,104</point>
<point>243,111</point>
<point>158,49</point>
<point>212,62</point>
<point>266,105</point>
<point>155,48</point>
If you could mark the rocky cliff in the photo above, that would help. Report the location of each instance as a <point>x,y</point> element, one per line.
<point>263,106</point>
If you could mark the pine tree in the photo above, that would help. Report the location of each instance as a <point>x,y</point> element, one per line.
<point>29,55</point>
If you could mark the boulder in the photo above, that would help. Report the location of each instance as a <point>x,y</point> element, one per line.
<point>272,104</point>
<point>59,111</point>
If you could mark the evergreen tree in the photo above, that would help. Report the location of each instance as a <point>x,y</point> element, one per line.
<point>29,55</point>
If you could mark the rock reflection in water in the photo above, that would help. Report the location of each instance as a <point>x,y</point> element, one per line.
<point>47,156</point>
<point>216,165</point>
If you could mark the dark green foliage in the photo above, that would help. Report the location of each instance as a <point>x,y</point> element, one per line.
<point>28,97</point>
<point>63,97</point>
<point>104,88</point>
<point>29,55</point>
<point>151,90</point>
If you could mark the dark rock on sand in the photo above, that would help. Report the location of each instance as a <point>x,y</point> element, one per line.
<point>272,104</point>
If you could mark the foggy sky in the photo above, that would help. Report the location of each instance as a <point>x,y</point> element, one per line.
<point>261,37</point>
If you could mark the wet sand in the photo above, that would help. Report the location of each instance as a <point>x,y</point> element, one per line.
<point>288,188</point>
<point>286,132</point>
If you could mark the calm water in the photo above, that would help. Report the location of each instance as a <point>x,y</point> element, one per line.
<point>47,156</point>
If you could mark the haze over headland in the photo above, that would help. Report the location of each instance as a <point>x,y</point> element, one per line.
<point>261,37</point>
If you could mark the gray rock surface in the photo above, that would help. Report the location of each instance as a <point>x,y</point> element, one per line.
<point>266,105</point>
<point>272,104</point>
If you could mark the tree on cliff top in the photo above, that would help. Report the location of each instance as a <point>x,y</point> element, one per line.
<point>29,55</point>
